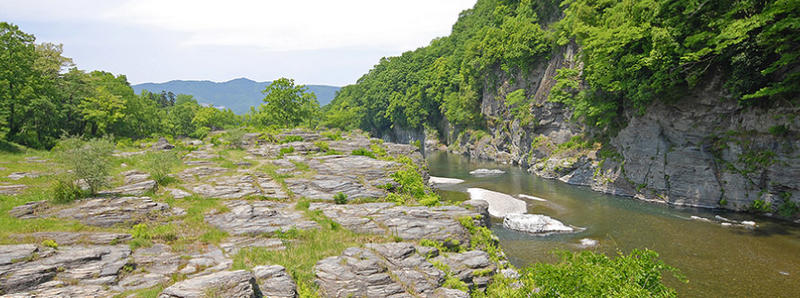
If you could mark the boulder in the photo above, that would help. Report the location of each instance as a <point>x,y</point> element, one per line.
<point>443,180</point>
<point>472,267</point>
<point>500,204</point>
<point>273,281</point>
<point>535,224</point>
<point>486,172</point>
<point>234,284</point>
<point>363,272</point>
<point>162,144</point>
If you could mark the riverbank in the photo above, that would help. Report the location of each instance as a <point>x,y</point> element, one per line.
<point>717,260</point>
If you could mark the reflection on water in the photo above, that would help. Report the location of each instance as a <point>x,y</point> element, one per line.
<point>718,261</point>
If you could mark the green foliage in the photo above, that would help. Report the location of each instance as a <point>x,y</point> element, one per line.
<point>760,206</point>
<point>50,243</point>
<point>482,238</point>
<point>65,190</point>
<point>788,208</point>
<point>333,135</point>
<point>89,161</point>
<point>363,152</point>
<point>322,146</point>
<point>43,96</point>
<point>286,150</point>
<point>590,274</point>
<point>448,76</point>
<point>638,274</point>
<point>575,143</point>
<point>159,165</point>
<point>340,198</point>
<point>520,107</point>
<point>778,130</point>
<point>286,105</point>
<point>636,51</point>
<point>291,138</point>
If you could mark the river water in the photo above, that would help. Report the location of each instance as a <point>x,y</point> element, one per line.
<point>718,261</point>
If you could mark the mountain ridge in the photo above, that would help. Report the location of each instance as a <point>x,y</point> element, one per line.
<point>238,94</point>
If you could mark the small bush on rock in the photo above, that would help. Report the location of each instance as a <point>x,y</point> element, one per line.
<point>50,243</point>
<point>340,198</point>
<point>89,161</point>
<point>363,152</point>
<point>65,190</point>
<point>159,165</point>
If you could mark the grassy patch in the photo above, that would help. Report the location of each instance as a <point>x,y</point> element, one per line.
<point>12,225</point>
<point>363,152</point>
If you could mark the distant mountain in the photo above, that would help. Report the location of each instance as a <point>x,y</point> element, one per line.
<point>238,94</point>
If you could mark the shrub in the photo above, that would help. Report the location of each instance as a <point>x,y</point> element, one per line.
<point>159,165</point>
<point>290,139</point>
<point>788,208</point>
<point>778,130</point>
<point>340,198</point>
<point>589,274</point>
<point>200,133</point>
<point>333,135</point>
<point>235,138</point>
<point>286,150</point>
<point>411,185</point>
<point>65,190</point>
<point>89,161</point>
<point>50,243</point>
<point>323,146</point>
<point>760,206</point>
<point>363,152</point>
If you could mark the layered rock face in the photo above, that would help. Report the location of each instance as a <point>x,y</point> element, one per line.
<point>702,150</point>
<point>401,270</point>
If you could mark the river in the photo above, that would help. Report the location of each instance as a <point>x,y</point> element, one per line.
<point>718,261</point>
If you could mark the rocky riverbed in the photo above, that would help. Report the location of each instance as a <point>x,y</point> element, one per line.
<point>196,236</point>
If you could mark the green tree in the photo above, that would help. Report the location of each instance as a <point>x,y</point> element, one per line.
<point>287,104</point>
<point>17,56</point>
<point>102,110</point>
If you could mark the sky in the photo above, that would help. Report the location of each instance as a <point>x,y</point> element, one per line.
<point>331,42</point>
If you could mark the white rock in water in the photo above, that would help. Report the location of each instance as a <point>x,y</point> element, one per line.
<point>443,180</point>
<point>531,198</point>
<point>722,218</point>
<point>700,218</point>
<point>749,223</point>
<point>500,204</point>
<point>586,242</point>
<point>486,172</point>
<point>535,224</point>
<point>726,224</point>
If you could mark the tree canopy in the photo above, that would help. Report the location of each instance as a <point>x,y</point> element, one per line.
<point>44,97</point>
<point>286,105</point>
<point>632,52</point>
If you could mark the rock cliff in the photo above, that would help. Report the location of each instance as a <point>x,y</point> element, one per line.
<point>702,150</point>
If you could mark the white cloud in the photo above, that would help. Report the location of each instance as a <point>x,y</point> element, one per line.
<point>271,25</point>
<point>315,42</point>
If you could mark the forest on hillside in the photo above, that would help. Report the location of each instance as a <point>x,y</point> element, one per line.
<point>632,54</point>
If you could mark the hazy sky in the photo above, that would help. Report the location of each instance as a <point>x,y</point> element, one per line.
<point>315,42</point>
